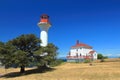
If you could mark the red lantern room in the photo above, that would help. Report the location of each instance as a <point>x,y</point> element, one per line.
<point>44,21</point>
<point>44,18</point>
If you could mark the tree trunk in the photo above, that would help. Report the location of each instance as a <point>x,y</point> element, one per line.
<point>22,69</point>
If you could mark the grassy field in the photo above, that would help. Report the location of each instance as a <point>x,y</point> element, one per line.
<point>109,70</point>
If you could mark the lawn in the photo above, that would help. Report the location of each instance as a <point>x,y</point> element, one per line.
<point>109,70</point>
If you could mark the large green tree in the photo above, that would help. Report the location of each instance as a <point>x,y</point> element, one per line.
<point>48,55</point>
<point>24,51</point>
<point>19,51</point>
<point>5,53</point>
<point>25,45</point>
<point>1,51</point>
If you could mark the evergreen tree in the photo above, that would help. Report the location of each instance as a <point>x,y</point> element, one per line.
<point>47,55</point>
<point>5,53</point>
<point>100,56</point>
<point>24,51</point>
<point>19,51</point>
<point>1,51</point>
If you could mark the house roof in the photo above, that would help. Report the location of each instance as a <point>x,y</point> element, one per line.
<point>81,45</point>
<point>91,52</point>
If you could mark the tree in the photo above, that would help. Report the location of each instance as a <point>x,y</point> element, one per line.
<point>1,50</point>
<point>48,55</point>
<point>19,51</point>
<point>24,51</point>
<point>5,52</point>
<point>100,56</point>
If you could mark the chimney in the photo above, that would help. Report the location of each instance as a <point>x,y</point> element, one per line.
<point>77,42</point>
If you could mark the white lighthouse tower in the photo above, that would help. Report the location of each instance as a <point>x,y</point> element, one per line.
<point>44,25</point>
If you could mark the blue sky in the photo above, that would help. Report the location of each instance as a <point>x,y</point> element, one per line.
<point>93,22</point>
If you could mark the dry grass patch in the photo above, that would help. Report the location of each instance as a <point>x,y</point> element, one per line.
<point>73,71</point>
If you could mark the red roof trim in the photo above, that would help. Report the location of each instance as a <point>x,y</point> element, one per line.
<point>82,45</point>
<point>91,52</point>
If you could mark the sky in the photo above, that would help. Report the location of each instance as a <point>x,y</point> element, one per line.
<point>93,22</point>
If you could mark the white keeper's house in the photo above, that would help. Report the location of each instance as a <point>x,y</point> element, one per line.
<point>81,52</point>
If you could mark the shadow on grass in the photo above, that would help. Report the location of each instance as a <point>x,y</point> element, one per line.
<point>27,72</point>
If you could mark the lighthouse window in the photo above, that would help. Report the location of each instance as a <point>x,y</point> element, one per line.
<point>45,17</point>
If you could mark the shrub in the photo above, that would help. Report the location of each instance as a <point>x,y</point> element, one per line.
<point>87,61</point>
<point>100,56</point>
<point>102,60</point>
<point>105,57</point>
<point>56,62</point>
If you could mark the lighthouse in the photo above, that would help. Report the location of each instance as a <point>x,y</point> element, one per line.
<point>44,26</point>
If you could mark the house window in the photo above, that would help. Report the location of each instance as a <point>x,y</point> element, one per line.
<point>80,48</point>
<point>94,54</point>
<point>76,49</point>
<point>80,54</point>
<point>77,54</point>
